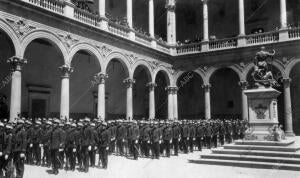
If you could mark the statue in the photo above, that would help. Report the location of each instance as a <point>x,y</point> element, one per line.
<point>262,75</point>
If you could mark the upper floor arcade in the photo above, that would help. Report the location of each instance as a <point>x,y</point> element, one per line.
<point>170,28</point>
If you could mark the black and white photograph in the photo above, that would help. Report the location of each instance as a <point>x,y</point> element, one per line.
<point>149,88</point>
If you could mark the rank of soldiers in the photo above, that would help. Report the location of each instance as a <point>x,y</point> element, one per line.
<point>61,144</point>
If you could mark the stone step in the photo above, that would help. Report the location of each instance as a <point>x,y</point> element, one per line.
<point>248,164</point>
<point>253,158</point>
<point>264,143</point>
<point>259,147</point>
<point>256,152</point>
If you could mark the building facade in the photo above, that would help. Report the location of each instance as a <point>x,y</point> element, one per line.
<point>59,60</point>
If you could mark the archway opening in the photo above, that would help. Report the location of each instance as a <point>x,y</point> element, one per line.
<point>141,93</point>
<point>190,96</point>
<point>83,89</point>
<point>7,50</point>
<point>161,95</point>
<point>295,95</point>
<point>225,94</point>
<point>41,82</point>
<point>115,95</point>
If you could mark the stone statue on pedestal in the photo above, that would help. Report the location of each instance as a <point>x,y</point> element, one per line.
<point>262,75</point>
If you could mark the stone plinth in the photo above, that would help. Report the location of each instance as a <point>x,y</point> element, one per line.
<point>263,113</point>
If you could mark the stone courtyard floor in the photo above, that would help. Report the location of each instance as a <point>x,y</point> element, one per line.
<point>174,167</point>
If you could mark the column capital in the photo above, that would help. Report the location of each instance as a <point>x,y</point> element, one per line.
<point>129,82</point>
<point>151,85</point>
<point>170,5</point>
<point>286,81</point>
<point>206,87</point>
<point>204,1</point>
<point>16,63</point>
<point>66,70</point>
<point>244,85</point>
<point>100,78</point>
<point>172,90</point>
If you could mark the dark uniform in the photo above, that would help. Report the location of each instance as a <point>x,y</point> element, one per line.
<point>56,143</point>
<point>19,145</point>
<point>146,140</point>
<point>192,137</point>
<point>104,140</point>
<point>155,141</point>
<point>176,138</point>
<point>199,136</point>
<point>120,139</point>
<point>208,135</point>
<point>86,143</point>
<point>167,137</point>
<point>71,148</point>
<point>185,135</point>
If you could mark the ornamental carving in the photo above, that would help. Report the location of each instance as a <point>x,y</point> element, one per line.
<point>154,64</point>
<point>21,26</point>
<point>68,40</point>
<point>260,111</point>
<point>132,58</point>
<point>104,50</point>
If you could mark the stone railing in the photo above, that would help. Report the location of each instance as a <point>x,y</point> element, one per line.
<point>86,17</point>
<point>262,38</point>
<point>141,38</point>
<point>223,44</point>
<point>56,6</point>
<point>189,48</point>
<point>161,46</point>
<point>294,32</point>
<point>118,29</point>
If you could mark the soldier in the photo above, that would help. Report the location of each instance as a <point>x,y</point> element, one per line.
<point>37,142</point>
<point>167,137</point>
<point>228,131</point>
<point>19,146</point>
<point>71,146</point>
<point>46,144</point>
<point>104,139</point>
<point>134,137</point>
<point>120,135</point>
<point>199,135</point>
<point>185,135</point>
<point>176,137</point>
<point>2,137</point>
<point>146,137</point>
<point>78,141</point>
<point>208,134</point>
<point>7,146</point>
<point>156,140</point>
<point>94,141</point>
<point>30,134</point>
<point>56,143</point>
<point>215,133</point>
<point>221,133</point>
<point>62,151</point>
<point>192,136</point>
<point>87,136</point>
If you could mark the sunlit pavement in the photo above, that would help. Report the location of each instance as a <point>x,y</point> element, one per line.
<point>174,167</point>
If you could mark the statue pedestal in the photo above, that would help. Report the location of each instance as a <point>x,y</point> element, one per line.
<point>263,114</point>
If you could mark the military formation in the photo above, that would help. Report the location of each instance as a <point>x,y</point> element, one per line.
<point>80,144</point>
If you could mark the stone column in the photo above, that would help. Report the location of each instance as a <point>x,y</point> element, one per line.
<point>129,13</point>
<point>283,16</point>
<point>205,21</point>
<point>241,18</point>
<point>66,70</point>
<point>207,100</point>
<point>151,100</point>
<point>103,24</point>
<point>102,8</point>
<point>171,21</point>
<point>100,81</point>
<point>129,108</point>
<point>175,101</point>
<point>151,18</point>
<point>170,103</point>
<point>244,86</point>
<point>288,108</point>
<point>16,87</point>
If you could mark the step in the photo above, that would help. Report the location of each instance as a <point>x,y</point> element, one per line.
<point>266,148</point>
<point>265,143</point>
<point>256,152</point>
<point>253,158</point>
<point>248,164</point>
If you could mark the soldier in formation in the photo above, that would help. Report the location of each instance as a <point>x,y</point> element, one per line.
<point>61,144</point>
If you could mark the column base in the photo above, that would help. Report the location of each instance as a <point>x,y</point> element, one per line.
<point>241,41</point>
<point>283,34</point>
<point>205,46</point>
<point>103,24</point>
<point>290,134</point>
<point>132,36</point>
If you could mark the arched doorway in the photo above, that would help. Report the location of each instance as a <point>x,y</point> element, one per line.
<point>41,79</point>
<point>83,91</point>
<point>295,95</point>
<point>190,96</point>
<point>225,94</point>
<point>7,50</point>
<point>141,92</point>
<point>115,89</point>
<point>161,95</point>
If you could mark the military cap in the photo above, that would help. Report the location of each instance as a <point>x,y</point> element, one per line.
<point>93,124</point>
<point>104,123</point>
<point>1,124</point>
<point>9,126</point>
<point>80,124</point>
<point>20,121</point>
<point>38,122</point>
<point>87,119</point>
<point>73,125</point>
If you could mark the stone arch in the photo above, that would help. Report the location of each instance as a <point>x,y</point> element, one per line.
<point>88,48</point>
<point>119,57</point>
<point>212,70</point>
<point>166,73</point>
<point>145,65</point>
<point>49,36</point>
<point>13,37</point>
<point>290,66</point>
